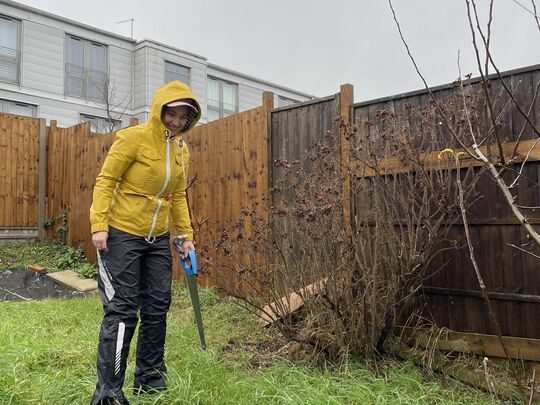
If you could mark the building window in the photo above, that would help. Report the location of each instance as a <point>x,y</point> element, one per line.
<point>86,69</point>
<point>14,107</point>
<point>100,125</point>
<point>222,98</point>
<point>284,101</point>
<point>10,54</point>
<point>176,72</point>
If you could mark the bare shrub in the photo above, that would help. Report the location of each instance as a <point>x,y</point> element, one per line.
<point>352,289</point>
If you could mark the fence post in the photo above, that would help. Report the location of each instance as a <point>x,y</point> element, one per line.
<point>268,100</point>
<point>268,104</point>
<point>346,99</point>
<point>42,176</point>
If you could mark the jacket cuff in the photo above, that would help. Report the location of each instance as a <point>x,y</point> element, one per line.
<point>187,236</point>
<point>99,227</point>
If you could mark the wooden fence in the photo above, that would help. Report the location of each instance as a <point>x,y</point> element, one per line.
<point>231,160</point>
<point>512,277</point>
<point>229,163</point>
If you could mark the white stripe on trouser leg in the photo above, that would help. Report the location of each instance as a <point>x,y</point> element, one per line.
<point>104,275</point>
<point>119,346</point>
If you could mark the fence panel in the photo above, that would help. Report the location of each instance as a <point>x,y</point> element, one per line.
<point>293,130</point>
<point>19,151</point>
<point>295,127</point>
<point>75,156</point>
<point>511,276</point>
<point>229,160</point>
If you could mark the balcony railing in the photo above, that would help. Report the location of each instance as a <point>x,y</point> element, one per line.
<point>82,82</point>
<point>10,65</point>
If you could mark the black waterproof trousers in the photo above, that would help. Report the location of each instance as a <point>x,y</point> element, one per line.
<point>134,275</point>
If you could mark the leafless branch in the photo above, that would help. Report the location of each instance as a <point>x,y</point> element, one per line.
<point>115,108</point>
<point>481,283</point>
<point>476,153</point>
<point>523,164</point>
<point>508,197</point>
<point>484,74</point>
<point>15,294</point>
<point>435,100</point>
<point>533,381</point>
<point>523,250</point>
<point>489,382</point>
<point>503,82</point>
<point>534,13</point>
<point>531,107</point>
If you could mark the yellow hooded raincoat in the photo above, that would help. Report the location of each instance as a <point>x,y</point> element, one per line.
<point>144,175</point>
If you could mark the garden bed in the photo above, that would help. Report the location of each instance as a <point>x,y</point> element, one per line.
<point>24,285</point>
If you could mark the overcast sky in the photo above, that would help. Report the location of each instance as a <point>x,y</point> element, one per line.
<point>316,45</point>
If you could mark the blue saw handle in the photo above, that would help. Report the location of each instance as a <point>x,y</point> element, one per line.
<point>189,263</point>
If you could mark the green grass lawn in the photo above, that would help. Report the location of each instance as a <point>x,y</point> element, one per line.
<point>48,349</point>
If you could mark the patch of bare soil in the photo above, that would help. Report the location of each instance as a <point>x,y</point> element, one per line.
<point>24,285</point>
<point>265,353</point>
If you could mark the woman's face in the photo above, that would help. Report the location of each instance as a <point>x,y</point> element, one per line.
<point>174,118</point>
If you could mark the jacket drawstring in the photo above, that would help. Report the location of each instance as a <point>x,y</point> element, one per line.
<point>151,238</point>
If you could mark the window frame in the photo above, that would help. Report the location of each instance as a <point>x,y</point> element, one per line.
<point>18,53</point>
<point>286,101</point>
<point>5,102</point>
<point>105,120</point>
<point>188,82</point>
<point>86,72</point>
<point>221,110</point>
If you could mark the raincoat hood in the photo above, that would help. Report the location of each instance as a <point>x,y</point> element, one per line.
<point>166,94</point>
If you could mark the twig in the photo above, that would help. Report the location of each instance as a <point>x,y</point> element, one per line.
<point>16,295</point>
<point>536,15</point>
<point>532,387</point>
<point>508,196</point>
<point>480,279</point>
<point>533,102</point>
<point>191,181</point>
<point>490,386</point>
<point>503,83</point>
<point>471,249</point>
<point>497,177</point>
<point>435,100</point>
<point>484,74</point>
<point>523,164</point>
<point>523,250</point>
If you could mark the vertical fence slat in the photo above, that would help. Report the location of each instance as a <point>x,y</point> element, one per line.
<point>4,162</point>
<point>15,170</point>
<point>346,99</point>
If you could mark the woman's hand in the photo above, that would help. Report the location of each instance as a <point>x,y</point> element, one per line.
<point>187,245</point>
<point>99,239</point>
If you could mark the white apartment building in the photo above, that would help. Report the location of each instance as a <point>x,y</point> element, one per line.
<point>59,69</point>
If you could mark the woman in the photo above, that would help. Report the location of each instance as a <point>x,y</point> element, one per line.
<point>143,178</point>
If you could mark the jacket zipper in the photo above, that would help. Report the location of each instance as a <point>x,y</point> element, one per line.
<point>151,238</point>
